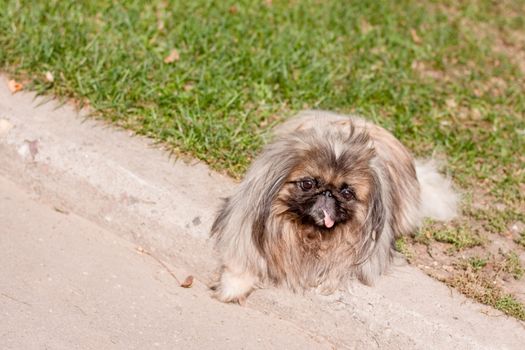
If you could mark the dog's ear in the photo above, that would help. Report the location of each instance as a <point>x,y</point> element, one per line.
<point>373,253</point>
<point>265,179</point>
<point>241,221</point>
<point>376,210</point>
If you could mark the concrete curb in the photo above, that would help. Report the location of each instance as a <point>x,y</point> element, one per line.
<point>133,189</point>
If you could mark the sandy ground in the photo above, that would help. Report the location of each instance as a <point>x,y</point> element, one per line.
<point>92,220</point>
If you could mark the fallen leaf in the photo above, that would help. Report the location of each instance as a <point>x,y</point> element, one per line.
<point>160,25</point>
<point>475,114</point>
<point>61,210</point>
<point>188,282</point>
<point>415,37</point>
<point>233,10</point>
<point>451,103</point>
<point>14,86</point>
<point>416,65</point>
<point>188,87</point>
<point>365,26</point>
<point>49,77</point>
<point>172,57</point>
<point>33,147</point>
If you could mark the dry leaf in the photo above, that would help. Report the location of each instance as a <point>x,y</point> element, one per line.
<point>451,103</point>
<point>61,210</point>
<point>188,282</point>
<point>172,57</point>
<point>49,77</point>
<point>415,37</point>
<point>14,86</point>
<point>33,147</point>
<point>365,26</point>
<point>475,114</point>
<point>233,10</point>
<point>160,25</point>
<point>188,87</point>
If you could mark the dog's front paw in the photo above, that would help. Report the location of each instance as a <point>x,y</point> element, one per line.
<point>234,287</point>
<point>228,298</point>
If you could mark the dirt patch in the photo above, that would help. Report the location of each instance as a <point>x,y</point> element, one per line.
<point>512,45</point>
<point>481,254</point>
<point>499,30</point>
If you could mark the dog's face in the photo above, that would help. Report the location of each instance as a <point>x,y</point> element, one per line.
<point>328,189</point>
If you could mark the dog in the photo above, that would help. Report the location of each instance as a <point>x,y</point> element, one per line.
<point>322,205</point>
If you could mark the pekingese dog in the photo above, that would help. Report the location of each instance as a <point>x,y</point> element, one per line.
<point>322,205</point>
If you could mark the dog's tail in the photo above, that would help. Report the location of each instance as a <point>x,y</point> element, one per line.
<point>439,200</point>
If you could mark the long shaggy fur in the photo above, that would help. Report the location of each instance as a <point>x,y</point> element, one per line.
<point>264,238</point>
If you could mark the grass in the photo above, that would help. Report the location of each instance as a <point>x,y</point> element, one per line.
<point>402,246</point>
<point>512,265</point>
<point>510,306</point>
<point>477,263</point>
<point>496,221</point>
<point>457,236</point>
<point>480,282</point>
<point>250,67</point>
<point>444,77</point>
<point>521,239</point>
<point>460,237</point>
<point>484,291</point>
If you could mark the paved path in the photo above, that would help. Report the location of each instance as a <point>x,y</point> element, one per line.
<point>67,283</point>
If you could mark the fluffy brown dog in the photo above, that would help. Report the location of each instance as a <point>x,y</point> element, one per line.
<point>322,205</point>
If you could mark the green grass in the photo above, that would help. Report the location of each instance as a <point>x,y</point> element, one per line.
<point>460,237</point>
<point>521,239</point>
<point>402,247</point>
<point>254,66</point>
<point>477,263</point>
<point>496,221</point>
<point>444,77</point>
<point>510,306</point>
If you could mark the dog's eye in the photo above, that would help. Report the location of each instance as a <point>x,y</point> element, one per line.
<point>307,185</point>
<point>348,193</point>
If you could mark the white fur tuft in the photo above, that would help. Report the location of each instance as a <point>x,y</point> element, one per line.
<point>439,201</point>
<point>235,287</point>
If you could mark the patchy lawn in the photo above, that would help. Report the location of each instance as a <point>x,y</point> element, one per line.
<point>209,79</point>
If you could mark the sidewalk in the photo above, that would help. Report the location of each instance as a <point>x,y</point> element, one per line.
<point>69,284</point>
<point>80,200</point>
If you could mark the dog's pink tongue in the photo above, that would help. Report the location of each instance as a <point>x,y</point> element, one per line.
<point>328,221</point>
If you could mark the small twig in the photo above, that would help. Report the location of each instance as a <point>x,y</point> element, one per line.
<point>487,313</point>
<point>143,251</point>
<point>14,299</point>
<point>82,311</point>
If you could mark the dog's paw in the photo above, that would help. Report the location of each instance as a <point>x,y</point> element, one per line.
<point>225,298</point>
<point>233,287</point>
